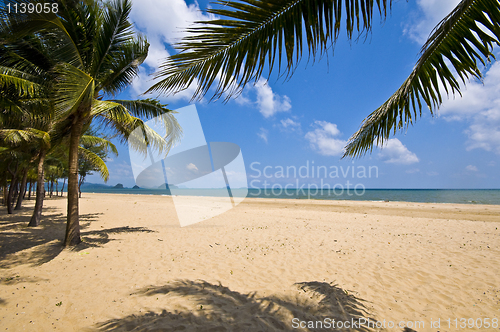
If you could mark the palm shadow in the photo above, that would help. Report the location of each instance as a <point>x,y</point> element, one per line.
<point>20,244</point>
<point>92,239</point>
<point>218,308</point>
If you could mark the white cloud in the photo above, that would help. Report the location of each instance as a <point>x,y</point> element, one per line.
<point>479,105</point>
<point>394,152</point>
<point>192,167</point>
<point>324,139</point>
<point>431,12</point>
<point>163,22</point>
<point>471,168</point>
<point>289,125</point>
<point>270,103</point>
<point>263,133</point>
<point>413,171</point>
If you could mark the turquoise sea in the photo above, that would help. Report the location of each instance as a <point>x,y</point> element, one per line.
<point>463,196</point>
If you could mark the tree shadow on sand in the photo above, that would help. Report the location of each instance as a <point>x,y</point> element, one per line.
<point>217,308</point>
<point>20,244</point>
<point>99,238</point>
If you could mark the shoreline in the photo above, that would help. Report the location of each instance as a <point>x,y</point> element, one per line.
<point>389,195</point>
<point>260,264</point>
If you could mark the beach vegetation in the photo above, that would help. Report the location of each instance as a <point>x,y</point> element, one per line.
<point>68,66</point>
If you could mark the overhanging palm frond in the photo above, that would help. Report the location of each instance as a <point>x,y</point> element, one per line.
<point>14,137</point>
<point>114,31</point>
<point>73,89</point>
<point>256,33</point>
<point>464,38</point>
<point>94,140</point>
<point>23,24</point>
<point>117,116</point>
<point>24,84</point>
<point>97,161</point>
<point>119,70</point>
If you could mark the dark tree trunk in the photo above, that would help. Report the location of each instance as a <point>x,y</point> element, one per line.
<point>62,189</point>
<point>51,188</point>
<point>57,186</point>
<point>40,181</point>
<point>13,185</point>
<point>29,191</point>
<point>73,225</point>
<point>23,190</point>
<point>10,195</point>
<point>5,192</point>
<point>80,182</point>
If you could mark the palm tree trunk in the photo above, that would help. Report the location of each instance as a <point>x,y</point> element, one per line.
<point>13,185</point>
<point>10,194</point>
<point>23,190</point>
<point>62,189</point>
<point>29,192</point>
<point>73,225</point>
<point>37,213</point>
<point>5,191</point>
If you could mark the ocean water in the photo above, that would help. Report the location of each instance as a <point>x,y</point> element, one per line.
<point>462,196</point>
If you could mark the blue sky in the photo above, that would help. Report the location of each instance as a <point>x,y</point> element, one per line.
<point>309,118</point>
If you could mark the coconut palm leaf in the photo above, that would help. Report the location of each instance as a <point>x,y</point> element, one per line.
<point>458,45</point>
<point>23,83</point>
<point>119,71</point>
<point>253,34</point>
<point>115,30</point>
<point>152,108</point>
<point>95,140</point>
<point>15,137</point>
<point>117,117</point>
<point>96,161</point>
<point>73,89</point>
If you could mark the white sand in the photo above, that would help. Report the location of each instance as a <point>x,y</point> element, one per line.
<point>253,268</point>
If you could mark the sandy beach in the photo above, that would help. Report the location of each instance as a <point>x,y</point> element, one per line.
<point>266,265</point>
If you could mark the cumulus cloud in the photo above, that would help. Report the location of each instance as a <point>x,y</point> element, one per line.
<point>394,152</point>
<point>263,133</point>
<point>431,12</point>
<point>192,167</point>
<point>480,106</point>
<point>163,22</point>
<point>471,168</point>
<point>289,125</point>
<point>324,139</point>
<point>268,102</point>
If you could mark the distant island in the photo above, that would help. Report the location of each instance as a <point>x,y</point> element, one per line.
<point>136,187</point>
<point>118,186</point>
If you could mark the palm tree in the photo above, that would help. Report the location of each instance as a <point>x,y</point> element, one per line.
<point>232,51</point>
<point>95,54</point>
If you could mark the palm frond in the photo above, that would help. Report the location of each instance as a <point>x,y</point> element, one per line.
<point>115,30</point>
<point>122,65</point>
<point>24,84</point>
<point>118,118</point>
<point>73,89</point>
<point>13,137</point>
<point>55,27</point>
<point>463,39</point>
<point>88,140</point>
<point>97,161</point>
<point>253,35</point>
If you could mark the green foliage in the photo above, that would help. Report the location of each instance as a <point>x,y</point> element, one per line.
<point>256,33</point>
<point>252,35</point>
